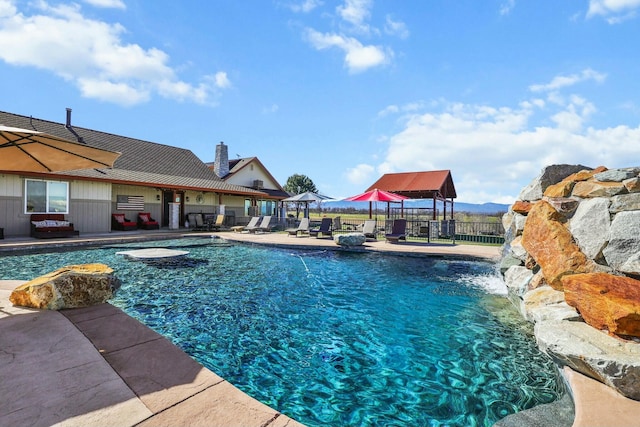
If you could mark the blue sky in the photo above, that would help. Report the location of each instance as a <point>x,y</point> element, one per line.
<point>342,91</point>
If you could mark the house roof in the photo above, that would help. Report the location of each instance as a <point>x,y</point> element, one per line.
<point>141,163</point>
<point>418,185</point>
<point>236,165</point>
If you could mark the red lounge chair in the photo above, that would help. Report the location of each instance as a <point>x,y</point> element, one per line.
<point>145,221</point>
<point>119,222</point>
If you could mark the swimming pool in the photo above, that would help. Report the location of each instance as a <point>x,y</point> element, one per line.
<point>335,338</point>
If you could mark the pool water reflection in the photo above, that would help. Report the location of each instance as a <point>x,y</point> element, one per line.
<point>334,338</point>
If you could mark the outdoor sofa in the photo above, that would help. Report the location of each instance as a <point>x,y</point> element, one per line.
<point>50,226</point>
<point>121,223</point>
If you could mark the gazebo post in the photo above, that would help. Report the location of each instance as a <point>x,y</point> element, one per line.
<point>434,207</point>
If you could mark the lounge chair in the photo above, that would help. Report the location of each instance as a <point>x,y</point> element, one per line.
<point>302,228</point>
<point>218,224</point>
<point>369,229</point>
<point>253,223</point>
<point>324,229</point>
<point>264,225</point>
<point>145,221</point>
<point>337,225</point>
<point>398,231</point>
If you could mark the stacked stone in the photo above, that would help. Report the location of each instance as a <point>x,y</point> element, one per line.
<point>571,260</point>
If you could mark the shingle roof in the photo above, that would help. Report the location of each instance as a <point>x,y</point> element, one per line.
<point>141,162</point>
<point>236,165</point>
<point>418,185</point>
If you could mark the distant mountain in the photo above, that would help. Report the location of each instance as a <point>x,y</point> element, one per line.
<point>484,208</point>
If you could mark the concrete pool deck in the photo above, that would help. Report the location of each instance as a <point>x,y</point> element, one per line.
<point>98,366</point>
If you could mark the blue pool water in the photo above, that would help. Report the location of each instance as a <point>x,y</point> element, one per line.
<point>335,338</point>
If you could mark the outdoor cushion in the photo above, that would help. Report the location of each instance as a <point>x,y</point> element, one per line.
<point>119,218</point>
<point>144,217</point>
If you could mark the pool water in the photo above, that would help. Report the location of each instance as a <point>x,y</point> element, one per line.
<point>335,338</point>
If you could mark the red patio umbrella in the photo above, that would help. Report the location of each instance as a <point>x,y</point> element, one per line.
<point>376,195</point>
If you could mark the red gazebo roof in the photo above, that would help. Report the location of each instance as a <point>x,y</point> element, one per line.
<point>418,185</point>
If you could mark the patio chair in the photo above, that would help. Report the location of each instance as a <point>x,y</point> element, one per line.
<point>145,221</point>
<point>302,228</point>
<point>369,229</point>
<point>252,225</point>
<point>199,224</point>
<point>264,225</point>
<point>324,229</point>
<point>337,225</point>
<point>218,224</point>
<point>398,231</point>
<point>119,222</point>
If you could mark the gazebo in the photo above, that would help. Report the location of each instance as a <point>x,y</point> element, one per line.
<point>435,185</point>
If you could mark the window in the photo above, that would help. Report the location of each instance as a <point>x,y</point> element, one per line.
<point>46,196</point>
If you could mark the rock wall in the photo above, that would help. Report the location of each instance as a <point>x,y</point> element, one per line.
<point>571,262</point>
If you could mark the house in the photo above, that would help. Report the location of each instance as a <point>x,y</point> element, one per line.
<point>169,182</point>
<point>249,172</point>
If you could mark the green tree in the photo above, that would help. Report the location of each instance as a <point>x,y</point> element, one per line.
<point>298,184</point>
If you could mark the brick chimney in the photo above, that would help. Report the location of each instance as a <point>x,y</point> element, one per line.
<point>221,164</point>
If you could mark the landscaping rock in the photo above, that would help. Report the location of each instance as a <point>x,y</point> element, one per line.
<point>68,287</point>
<point>586,246</point>
<point>624,240</point>
<point>590,226</point>
<point>552,246</point>
<point>550,175</point>
<point>350,239</point>
<point>592,353</point>
<point>588,189</point>
<point>606,302</point>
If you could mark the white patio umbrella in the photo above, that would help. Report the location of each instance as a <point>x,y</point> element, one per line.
<point>306,198</point>
<point>24,150</point>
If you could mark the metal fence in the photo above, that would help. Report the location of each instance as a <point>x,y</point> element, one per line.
<point>447,231</point>
<point>436,231</point>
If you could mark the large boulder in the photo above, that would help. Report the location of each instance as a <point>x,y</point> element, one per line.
<point>68,287</point>
<point>624,242</point>
<point>588,189</point>
<point>552,246</point>
<point>593,353</point>
<point>605,301</point>
<point>590,226</point>
<point>548,176</point>
<point>545,303</point>
<point>350,239</point>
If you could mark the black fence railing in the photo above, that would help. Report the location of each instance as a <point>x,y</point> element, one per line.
<point>429,230</point>
<point>448,231</point>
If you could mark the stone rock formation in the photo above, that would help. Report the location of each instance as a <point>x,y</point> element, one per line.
<point>571,262</point>
<point>350,239</point>
<point>68,287</point>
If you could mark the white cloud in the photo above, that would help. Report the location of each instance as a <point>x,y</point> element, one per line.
<point>494,152</point>
<point>397,28</point>
<point>560,82</point>
<point>222,81</point>
<point>91,55</point>
<point>615,11</point>
<point>361,174</point>
<point>358,57</point>
<point>356,12</point>
<point>107,4</point>
<point>306,6</point>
